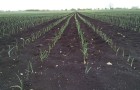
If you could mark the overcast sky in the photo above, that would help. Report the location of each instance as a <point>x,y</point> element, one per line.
<point>65,4</point>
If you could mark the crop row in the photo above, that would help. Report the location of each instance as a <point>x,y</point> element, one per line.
<point>126,21</point>
<point>45,53</point>
<point>108,39</point>
<point>34,36</point>
<point>40,33</point>
<point>84,44</point>
<point>12,24</point>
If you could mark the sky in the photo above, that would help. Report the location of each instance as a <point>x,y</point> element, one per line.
<point>65,4</point>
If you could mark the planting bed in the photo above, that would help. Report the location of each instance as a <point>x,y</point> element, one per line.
<point>126,39</point>
<point>55,60</point>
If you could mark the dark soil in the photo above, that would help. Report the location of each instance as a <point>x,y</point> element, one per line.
<point>4,42</point>
<point>130,43</point>
<point>10,66</point>
<point>64,68</point>
<point>114,77</point>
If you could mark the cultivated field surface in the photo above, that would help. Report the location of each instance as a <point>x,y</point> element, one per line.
<point>70,51</point>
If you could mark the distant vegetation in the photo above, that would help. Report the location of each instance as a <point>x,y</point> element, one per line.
<point>79,9</point>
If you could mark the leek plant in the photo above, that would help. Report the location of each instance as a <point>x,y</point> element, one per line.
<point>44,53</point>
<point>124,20</point>
<point>29,69</point>
<point>83,41</point>
<point>132,61</point>
<point>18,86</point>
<point>10,50</point>
<point>107,39</point>
<point>15,23</point>
<point>38,34</point>
<point>88,68</point>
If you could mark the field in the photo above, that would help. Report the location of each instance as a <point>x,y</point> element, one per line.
<point>98,50</point>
